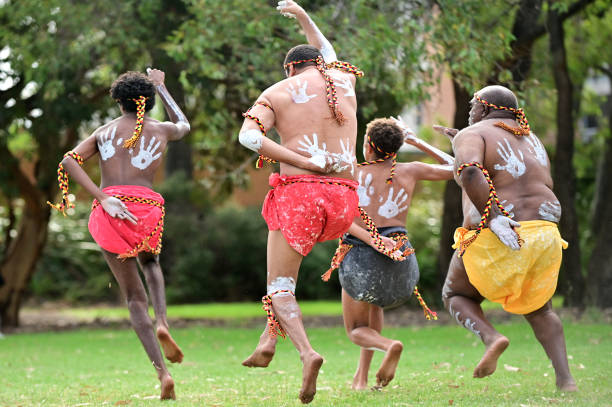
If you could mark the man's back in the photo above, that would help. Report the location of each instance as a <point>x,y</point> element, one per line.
<point>519,168</point>
<point>305,122</point>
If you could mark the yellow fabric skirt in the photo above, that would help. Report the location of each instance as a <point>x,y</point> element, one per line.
<point>523,280</point>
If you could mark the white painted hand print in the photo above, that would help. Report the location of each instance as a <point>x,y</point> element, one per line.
<point>537,148</point>
<point>392,206</point>
<point>508,207</point>
<point>318,156</point>
<point>346,158</point>
<point>105,143</point>
<point>513,164</point>
<point>345,83</point>
<point>365,189</point>
<point>550,211</point>
<point>146,155</point>
<point>299,95</point>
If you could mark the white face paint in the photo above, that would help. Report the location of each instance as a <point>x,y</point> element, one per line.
<point>345,83</point>
<point>537,149</point>
<point>318,156</point>
<point>392,206</point>
<point>299,95</point>
<point>105,143</point>
<point>513,164</point>
<point>146,155</point>
<point>468,324</point>
<point>550,211</point>
<point>365,189</point>
<point>251,139</point>
<point>282,283</point>
<point>508,207</point>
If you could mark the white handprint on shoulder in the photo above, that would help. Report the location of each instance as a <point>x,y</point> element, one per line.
<point>365,189</point>
<point>345,83</point>
<point>299,95</point>
<point>537,148</point>
<point>513,164</point>
<point>146,156</point>
<point>105,143</point>
<point>392,206</point>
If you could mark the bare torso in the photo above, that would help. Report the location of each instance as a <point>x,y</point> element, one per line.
<point>305,122</point>
<point>137,166</point>
<point>520,170</point>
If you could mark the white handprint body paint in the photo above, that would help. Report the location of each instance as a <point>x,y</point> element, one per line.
<point>508,207</point>
<point>146,155</point>
<point>318,156</point>
<point>105,143</point>
<point>300,95</point>
<point>392,206</point>
<point>513,164</point>
<point>550,211</point>
<point>346,158</point>
<point>537,148</point>
<point>345,83</point>
<point>365,189</point>
<point>468,324</point>
<point>251,139</point>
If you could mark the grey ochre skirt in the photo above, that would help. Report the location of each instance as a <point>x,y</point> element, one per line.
<point>367,275</point>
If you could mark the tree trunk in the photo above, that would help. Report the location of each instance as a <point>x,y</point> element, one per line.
<point>452,216</point>
<point>599,278</point>
<point>571,281</point>
<point>19,264</point>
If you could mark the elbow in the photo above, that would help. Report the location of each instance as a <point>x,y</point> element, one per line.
<point>251,139</point>
<point>469,175</point>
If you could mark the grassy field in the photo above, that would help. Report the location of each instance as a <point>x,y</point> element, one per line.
<point>102,367</point>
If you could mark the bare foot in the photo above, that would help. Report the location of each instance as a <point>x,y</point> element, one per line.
<point>387,368</point>
<point>568,385</point>
<point>171,350</point>
<point>310,371</point>
<point>360,382</point>
<point>167,388</point>
<point>488,363</point>
<point>261,356</point>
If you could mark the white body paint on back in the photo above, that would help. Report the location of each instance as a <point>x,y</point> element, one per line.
<point>282,283</point>
<point>365,189</point>
<point>146,156</point>
<point>392,206</point>
<point>105,143</point>
<point>299,95</point>
<point>468,324</point>
<point>251,139</point>
<point>345,83</point>
<point>346,158</point>
<point>537,148</point>
<point>512,163</point>
<point>318,156</point>
<point>550,211</point>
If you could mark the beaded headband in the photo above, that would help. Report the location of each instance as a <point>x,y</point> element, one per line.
<point>392,156</point>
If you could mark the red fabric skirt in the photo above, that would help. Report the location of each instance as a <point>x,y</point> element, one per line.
<point>309,209</point>
<point>120,235</point>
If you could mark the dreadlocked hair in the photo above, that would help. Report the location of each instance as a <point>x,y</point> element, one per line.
<point>129,87</point>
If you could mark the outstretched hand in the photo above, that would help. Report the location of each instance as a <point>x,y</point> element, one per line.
<point>446,131</point>
<point>503,227</point>
<point>409,135</point>
<point>156,76</point>
<point>117,209</point>
<point>289,8</point>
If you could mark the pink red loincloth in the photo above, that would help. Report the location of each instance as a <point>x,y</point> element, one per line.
<point>122,236</point>
<point>309,209</point>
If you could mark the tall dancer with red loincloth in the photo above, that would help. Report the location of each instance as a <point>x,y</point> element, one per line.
<point>314,112</point>
<point>127,216</point>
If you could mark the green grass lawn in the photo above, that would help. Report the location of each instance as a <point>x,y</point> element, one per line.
<point>103,367</point>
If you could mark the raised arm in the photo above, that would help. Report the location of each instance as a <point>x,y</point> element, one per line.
<point>290,8</point>
<point>253,136</point>
<point>410,138</point>
<point>87,149</point>
<point>180,125</point>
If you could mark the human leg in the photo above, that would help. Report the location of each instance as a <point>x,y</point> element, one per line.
<point>463,303</point>
<point>283,266</point>
<point>149,263</point>
<point>126,274</point>
<point>363,323</point>
<point>264,352</point>
<point>548,330</point>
